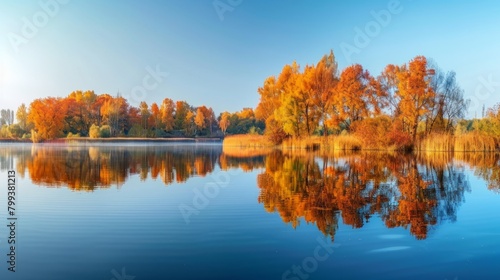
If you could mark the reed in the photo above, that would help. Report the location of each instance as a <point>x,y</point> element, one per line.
<point>346,142</point>
<point>475,142</point>
<point>247,141</point>
<point>436,159</point>
<point>313,143</point>
<point>437,143</point>
<point>320,143</point>
<point>481,160</point>
<point>245,152</point>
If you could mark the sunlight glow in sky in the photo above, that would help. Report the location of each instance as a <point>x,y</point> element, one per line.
<point>189,50</point>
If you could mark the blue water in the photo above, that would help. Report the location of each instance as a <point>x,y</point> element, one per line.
<point>136,230</point>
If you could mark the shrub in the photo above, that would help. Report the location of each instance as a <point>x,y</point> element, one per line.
<point>399,139</point>
<point>160,133</point>
<point>274,131</point>
<point>15,131</point>
<point>94,131</point>
<point>137,131</point>
<point>373,132</point>
<point>255,131</point>
<point>4,131</point>
<point>105,131</point>
<point>35,137</point>
<point>71,135</point>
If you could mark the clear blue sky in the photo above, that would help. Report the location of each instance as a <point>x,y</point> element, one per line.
<point>107,46</point>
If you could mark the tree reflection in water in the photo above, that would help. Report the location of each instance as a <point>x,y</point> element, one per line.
<point>90,168</point>
<point>413,192</point>
<point>405,191</point>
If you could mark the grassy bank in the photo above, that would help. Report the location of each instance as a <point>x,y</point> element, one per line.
<point>247,141</point>
<point>133,139</point>
<point>471,142</point>
<point>475,142</point>
<point>313,143</point>
<point>238,152</point>
<point>321,143</point>
<point>12,140</point>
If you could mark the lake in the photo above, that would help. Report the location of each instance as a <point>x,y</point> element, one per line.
<point>181,211</point>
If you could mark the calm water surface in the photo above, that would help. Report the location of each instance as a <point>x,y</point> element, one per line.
<point>198,212</point>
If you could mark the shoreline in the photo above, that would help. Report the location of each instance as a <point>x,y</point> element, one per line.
<point>85,140</point>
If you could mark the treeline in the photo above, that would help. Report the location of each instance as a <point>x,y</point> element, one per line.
<point>86,114</point>
<point>405,107</point>
<point>242,122</point>
<point>400,107</point>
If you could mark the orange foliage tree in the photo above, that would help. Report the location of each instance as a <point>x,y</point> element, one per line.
<point>358,95</point>
<point>47,116</point>
<point>167,111</point>
<point>269,103</point>
<point>415,93</point>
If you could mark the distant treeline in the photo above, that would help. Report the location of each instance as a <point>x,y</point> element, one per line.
<point>86,114</point>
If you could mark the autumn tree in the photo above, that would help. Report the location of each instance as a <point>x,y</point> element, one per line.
<point>359,95</point>
<point>491,123</point>
<point>243,122</point>
<point>115,113</point>
<point>307,100</point>
<point>22,117</point>
<point>294,103</point>
<point>134,116</point>
<point>73,118</point>
<point>79,116</point>
<point>321,83</point>
<point>415,93</point>
<point>189,125</point>
<point>224,121</point>
<point>47,116</point>
<point>155,117</point>
<point>181,113</point>
<point>199,120</point>
<point>96,111</point>
<point>268,104</point>
<point>212,121</point>
<point>167,112</point>
<point>145,114</point>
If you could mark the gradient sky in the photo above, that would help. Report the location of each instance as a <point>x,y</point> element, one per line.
<point>111,46</point>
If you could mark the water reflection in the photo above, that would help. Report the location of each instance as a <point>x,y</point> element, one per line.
<point>485,165</point>
<point>404,191</point>
<point>88,168</point>
<point>413,192</point>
